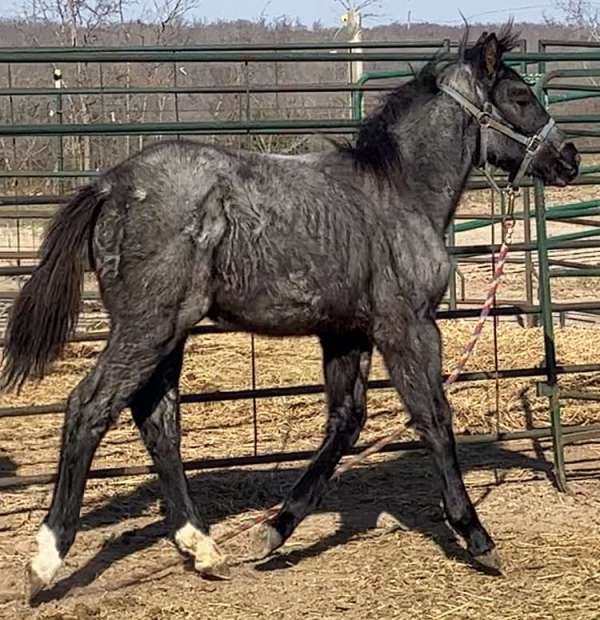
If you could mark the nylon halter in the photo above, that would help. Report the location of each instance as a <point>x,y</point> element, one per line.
<point>484,116</point>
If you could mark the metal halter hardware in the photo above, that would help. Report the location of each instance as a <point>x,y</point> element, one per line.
<point>484,116</point>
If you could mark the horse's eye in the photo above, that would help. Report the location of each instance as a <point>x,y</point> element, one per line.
<point>521,97</point>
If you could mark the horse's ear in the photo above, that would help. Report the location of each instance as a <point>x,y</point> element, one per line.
<point>485,56</point>
<point>491,55</point>
<point>482,37</point>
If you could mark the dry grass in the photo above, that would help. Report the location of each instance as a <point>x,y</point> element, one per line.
<point>376,549</point>
<point>223,362</point>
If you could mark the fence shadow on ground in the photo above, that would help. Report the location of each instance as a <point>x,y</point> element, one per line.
<point>403,487</point>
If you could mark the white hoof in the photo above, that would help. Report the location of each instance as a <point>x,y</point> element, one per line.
<point>208,559</point>
<point>265,539</point>
<point>490,560</point>
<point>45,564</point>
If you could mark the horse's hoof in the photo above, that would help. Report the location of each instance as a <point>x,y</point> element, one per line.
<point>220,570</point>
<point>490,561</point>
<point>33,584</point>
<point>265,539</point>
<point>208,559</point>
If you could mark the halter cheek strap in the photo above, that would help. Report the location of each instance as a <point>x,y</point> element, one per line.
<point>485,119</point>
<point>531,149</point>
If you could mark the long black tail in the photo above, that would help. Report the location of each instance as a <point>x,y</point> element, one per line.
<point>46,309</point>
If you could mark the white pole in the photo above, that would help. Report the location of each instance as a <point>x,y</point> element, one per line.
<point>353,21</point>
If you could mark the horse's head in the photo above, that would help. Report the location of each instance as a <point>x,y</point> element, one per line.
<point>516,132</point>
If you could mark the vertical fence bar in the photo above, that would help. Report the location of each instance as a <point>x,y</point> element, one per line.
<point>176,99</point>
<point>452,282</point>
<point>15,183</point>
<point>276,77</point>
<point>248,114</point>
<point>58,82</point>
<point>240,137</point>
<point>254,405</point>
<point>11,105</point>
<point>550,387</point>
<point>531,320</point>
<point>128,109</point>
<point>101,142</point>
<point>502,208</point>
<point>541,63</point>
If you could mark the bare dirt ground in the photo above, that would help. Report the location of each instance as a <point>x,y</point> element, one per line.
<point>377,548</point>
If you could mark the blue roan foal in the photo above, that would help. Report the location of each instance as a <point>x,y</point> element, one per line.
<point>347,245</point>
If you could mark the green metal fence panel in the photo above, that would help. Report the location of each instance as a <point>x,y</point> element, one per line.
<point>547,88</point>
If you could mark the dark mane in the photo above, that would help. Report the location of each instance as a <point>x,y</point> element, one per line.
<point>376,147</point>
<point>508,38</point>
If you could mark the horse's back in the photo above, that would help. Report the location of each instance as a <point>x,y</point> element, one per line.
<point>277,243</point>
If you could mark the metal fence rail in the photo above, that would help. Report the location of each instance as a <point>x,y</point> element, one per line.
<point>20,207</point>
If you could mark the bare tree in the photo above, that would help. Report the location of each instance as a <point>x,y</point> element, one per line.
<point>584,18</point>
<point>582,15</point>
<point>79,21</point>
<point>169,18</point>
<point>83,22</point>
<point>359,7</point>
<point>76,23</point>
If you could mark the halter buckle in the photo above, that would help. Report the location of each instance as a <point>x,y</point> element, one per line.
<point>535,143</point>
<point>511,192</point>
<point>484,116</point>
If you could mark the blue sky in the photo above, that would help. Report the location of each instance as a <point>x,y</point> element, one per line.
<point>390,10</point>
<point>328,11</point>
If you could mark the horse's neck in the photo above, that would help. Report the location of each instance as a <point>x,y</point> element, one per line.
<point>437,159</point>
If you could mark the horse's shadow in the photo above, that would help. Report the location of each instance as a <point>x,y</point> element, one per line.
<point>403,487</point>
<point>7,466</point>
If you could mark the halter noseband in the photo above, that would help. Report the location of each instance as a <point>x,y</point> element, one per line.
<point>484,116</point>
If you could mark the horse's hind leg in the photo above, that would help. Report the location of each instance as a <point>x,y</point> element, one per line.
<point>125,364</point>
<point>346,362</point>
<point>413,359</point>
<point>155,292</point>
<point>155,410</point>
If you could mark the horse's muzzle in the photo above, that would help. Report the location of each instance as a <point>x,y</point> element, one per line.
<point>570,160</point>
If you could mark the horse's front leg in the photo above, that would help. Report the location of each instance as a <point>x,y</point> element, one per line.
<point>346,362</point>
<point>412,355</point>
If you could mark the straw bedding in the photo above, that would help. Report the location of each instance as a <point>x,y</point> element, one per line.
<point>377,548</point>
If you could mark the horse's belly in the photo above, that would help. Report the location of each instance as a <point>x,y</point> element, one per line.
<point>272,324</point>
<point>288,310</point>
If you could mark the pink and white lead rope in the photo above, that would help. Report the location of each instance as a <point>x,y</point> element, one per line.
<point>509,225</point>
<point>377,446</point>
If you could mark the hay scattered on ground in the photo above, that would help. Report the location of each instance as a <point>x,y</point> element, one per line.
<point>377,548</point>
<point>223,362</point>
